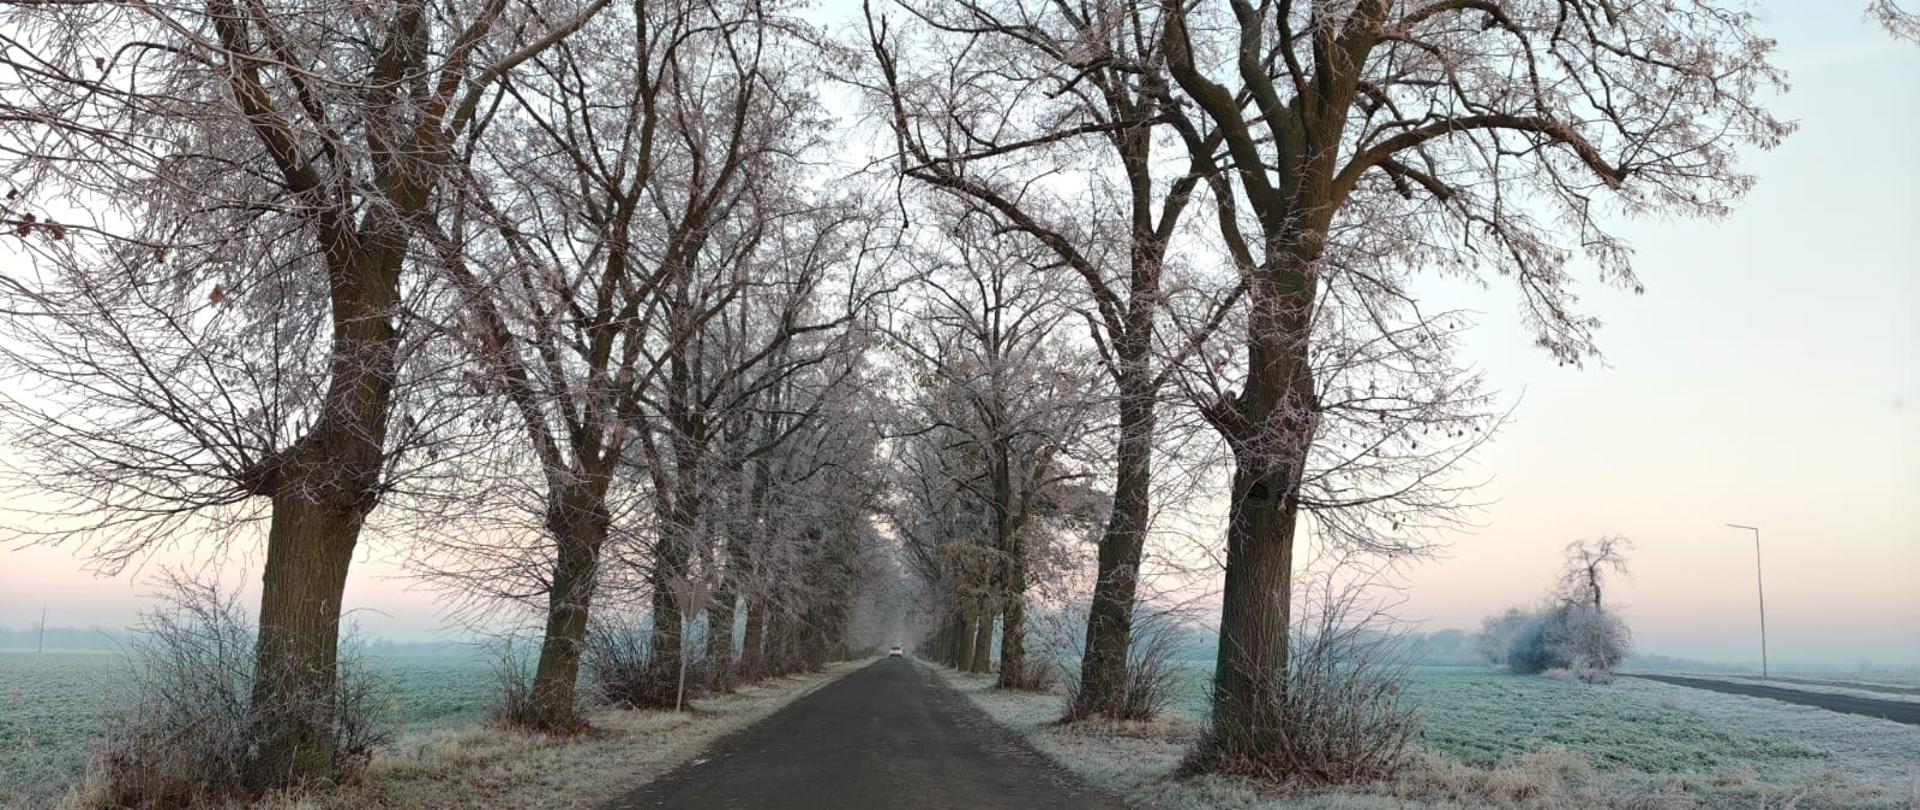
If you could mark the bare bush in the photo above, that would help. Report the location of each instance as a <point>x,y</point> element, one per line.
<point>182,735</point>
<point>1338,714</point>
<point>619,663</point>
<point>1038,675</point>
<point>1152,676</point>
<point>515,705</point>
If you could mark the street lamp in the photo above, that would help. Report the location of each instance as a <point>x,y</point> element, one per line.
<point>1762,591</point>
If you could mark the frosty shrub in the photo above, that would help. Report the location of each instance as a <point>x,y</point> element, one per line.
<point>514,706</point>
<point>1586,641</point>
<point>1340,716</point>
<point>181,735</point>
<point>1153,676</point>
<point>1528,652</point>
<point>1039,674</point>
<point>1497,634</point>
<point>619,663</point>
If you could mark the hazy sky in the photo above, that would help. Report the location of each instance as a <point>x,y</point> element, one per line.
<point>1770,375</point>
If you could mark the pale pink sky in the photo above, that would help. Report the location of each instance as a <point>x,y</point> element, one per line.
<point>1770,375</point>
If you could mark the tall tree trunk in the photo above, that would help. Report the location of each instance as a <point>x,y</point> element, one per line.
<point>951,650</point>
<point>1103,668</point>
<point>577,517</point>
<point>322,489</point>
<point>1013,636</point>
<point>969,635</point>
<point>1251,669</point>
<point>309,547</point>
<point>669,562</point>
<point>1270,428</point>
<point>782,643</point>
<point>720,636</point>
<point>1013,584</point>
<point>981,650</point>
<point>726,598</point>
<point>753,652</point>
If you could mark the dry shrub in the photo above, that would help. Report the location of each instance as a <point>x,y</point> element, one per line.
<point>1038,674</point>
<point>1153,675</point>
<point>1337,715</point>
<point>184,727</point>
<point>619,664</point>
<point>1549,779</point>
<point>514,706</point>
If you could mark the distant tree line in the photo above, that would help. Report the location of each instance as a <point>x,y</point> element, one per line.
<point>61,638</point>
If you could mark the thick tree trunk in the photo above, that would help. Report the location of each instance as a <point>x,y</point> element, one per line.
<point>668,634</point>
<point>322,489</point>
<point>980,651</point>
<point>720,637</point>
<point>732,586</point>
<point>1103,668</point>
<point>1013,584</point>
<point>968,636</point>
<point>579,522</point>
<point>955,635</point>
<point>309,547</point>
<point>753,640</point>
<point>782,644</point>
<point>1270,427</point>
<point>1013,636</point>
<point>1251,669</point>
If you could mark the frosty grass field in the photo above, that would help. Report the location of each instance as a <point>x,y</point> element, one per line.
<point>51,704</point>
<point>1637,731</point>
<point>1646,734</point>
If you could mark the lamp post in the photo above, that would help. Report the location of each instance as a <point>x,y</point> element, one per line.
<point>1762,590</point>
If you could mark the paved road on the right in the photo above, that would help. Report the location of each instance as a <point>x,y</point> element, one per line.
<point>1899,711</point>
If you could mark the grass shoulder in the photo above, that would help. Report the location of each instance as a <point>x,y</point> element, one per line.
<point>487,766</point>
<point>1757,753</point>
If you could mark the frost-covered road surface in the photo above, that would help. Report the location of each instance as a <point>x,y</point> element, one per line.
<point>1896,710</point>
<point>889,735</point>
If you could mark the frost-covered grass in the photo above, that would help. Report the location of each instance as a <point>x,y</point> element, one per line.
<point>1866,749</point>
<point>1499,740</point>
<point>466,765</point>
<point>52,707</point>
<point>1479,716</point>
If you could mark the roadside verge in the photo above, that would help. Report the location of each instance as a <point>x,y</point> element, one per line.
<point>482,766</point>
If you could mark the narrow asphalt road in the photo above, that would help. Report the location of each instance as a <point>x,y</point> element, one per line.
<point>888,735</point>
<point>1898,711</point>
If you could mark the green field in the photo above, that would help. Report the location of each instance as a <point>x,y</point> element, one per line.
<point>51,705</point>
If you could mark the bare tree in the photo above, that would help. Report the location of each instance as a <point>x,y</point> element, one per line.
<point>1587,563</point>
<point>1001,408</point>
<point>1899,22</point>
<point>793,275</point>
<point>271,161</point>
<point>1413,135</point>
<point>821,555</point>
<point>594,222</point>
<point>1575,631</point>
<point>1046,117</point>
